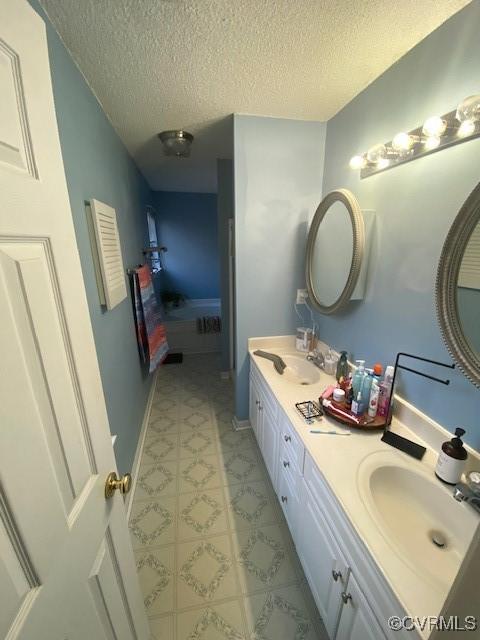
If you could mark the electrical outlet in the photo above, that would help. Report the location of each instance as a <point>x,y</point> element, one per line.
<point>302,295</point>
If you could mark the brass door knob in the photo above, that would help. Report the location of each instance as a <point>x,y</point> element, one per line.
<point>123,484</point>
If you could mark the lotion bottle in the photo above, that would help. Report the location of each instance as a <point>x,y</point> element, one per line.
<point>452,459</point>
<point>373,400</point>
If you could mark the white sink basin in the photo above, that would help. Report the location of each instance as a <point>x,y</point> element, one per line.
<point>300,371</point>
<point>412,509</point>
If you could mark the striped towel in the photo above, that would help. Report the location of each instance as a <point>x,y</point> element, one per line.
<point>151,334</point>
<point>209,324</point>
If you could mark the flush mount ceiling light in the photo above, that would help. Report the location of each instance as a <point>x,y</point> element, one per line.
<point>436,133</point>
<point>176,143</point>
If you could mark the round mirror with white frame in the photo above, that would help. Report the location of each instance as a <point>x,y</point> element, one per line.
<point>335,249</point>
<point>458,288</point>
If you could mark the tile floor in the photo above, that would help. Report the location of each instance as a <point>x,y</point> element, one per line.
<point>214,555</point>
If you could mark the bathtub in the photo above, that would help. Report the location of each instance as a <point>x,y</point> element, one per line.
<point>181,326</point>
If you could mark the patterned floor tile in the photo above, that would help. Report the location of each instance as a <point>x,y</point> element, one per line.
<point>161,423</point>
<point>196,420</point>
<point>210,540</point>
<point>220,622</point>
<point>156,480</point>
<point>194,402</point>
<point>163,446</point>
<point>163,628</point>
<point>201,514</point>
<point>235,440</point>
<point>152,523</point>
<point>165,404</point>
<point>197,474</point>
<point>251,505</point>
<point>206,572</point>
<point>243,466</point>
<point>264,559</point>
<point>282,615</point>
<point>167,387</point>
<point>157,581</point>
<point>197,443</point>
<point>223,414</point>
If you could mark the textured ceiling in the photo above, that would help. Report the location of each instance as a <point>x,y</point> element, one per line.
<point>168,64</point>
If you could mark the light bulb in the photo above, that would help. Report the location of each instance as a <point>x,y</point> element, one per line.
<point>403,141</point>
<point>469,109</point>
<point>434,127</point>
<point>376,153</point>
<point>466,128</point>
<point>383,163</point>
<point>432,142</point>
<point>358,162</point>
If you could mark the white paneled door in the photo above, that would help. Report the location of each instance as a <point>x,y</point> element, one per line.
<point>67,570</point>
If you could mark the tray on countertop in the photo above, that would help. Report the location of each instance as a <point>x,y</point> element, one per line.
<point>366,423</point>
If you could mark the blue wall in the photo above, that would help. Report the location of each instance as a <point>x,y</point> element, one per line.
<point>278,185</point>
<point>415,205</point>
<point>98,165</point>
<point>225,211</point>
<point>187,226</point>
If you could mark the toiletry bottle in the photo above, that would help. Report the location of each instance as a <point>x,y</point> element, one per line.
<point>349,396</point>
<point>452,459</point>
<point>378,371</point>
<point>357,407</point>
<point>385,389</point>
<point>373,402</point>
<point>367,387</point>
<point>342,367</point>
<point>358,377</point>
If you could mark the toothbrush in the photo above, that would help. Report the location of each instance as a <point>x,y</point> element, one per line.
<point>331,433</point>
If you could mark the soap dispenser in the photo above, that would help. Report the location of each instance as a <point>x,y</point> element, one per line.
<point>452,458</point>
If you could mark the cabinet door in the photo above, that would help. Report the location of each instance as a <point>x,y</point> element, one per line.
<point>357,621</point>
<point>289,500</point>
<point>255,414</point>
<point>322,560</point>
<point>270,445</point>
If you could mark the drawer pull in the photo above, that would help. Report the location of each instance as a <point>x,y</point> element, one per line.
<point>260,408</point>
<point>257,402</point>
<point>286,463</point>
<point>337,575</point>
<point>284,498</point>
<point>346,597</point>
<point>287,438</point>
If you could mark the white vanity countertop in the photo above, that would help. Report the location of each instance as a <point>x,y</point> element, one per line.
<point>339,460</point>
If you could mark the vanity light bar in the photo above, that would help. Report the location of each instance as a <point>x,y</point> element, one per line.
<point>436,133</point>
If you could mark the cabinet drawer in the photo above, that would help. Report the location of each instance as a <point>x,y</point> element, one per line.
<point>315,482</point>
<point>292,448</point>
<point>287,466</point>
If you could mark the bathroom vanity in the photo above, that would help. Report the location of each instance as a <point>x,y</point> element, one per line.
<point>363,516</point>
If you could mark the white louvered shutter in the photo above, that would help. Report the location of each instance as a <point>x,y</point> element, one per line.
<point>104,221</point>
<point>469,275</point>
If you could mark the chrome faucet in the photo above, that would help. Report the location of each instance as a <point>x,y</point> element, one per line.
<point>469,491</point>
<point>316,357</point>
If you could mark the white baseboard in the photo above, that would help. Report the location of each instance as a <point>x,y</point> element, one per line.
<point>141,441</point>
<point>239,425</point>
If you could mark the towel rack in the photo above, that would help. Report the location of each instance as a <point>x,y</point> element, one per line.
<point>131,272</point>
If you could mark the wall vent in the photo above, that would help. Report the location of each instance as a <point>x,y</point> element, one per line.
<point>109,266</point>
